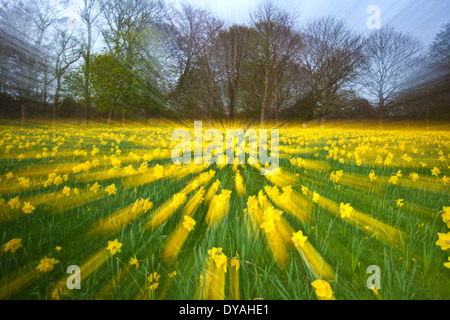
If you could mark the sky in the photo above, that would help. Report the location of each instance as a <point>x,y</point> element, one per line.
<point>421,18</point>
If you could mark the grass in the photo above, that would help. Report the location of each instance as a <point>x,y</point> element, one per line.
<point>411,267</point>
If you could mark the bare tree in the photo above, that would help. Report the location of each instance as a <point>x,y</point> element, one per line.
<point>194,31</point>
<point>332,58</point>
<point>278,44</point>
<point>232,52</point>
<point>390,58</point>
<point>67,52</point>
<point>440,48</point>
<point>89,15</point>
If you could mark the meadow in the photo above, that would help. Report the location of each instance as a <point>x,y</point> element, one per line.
<point>110,200</point>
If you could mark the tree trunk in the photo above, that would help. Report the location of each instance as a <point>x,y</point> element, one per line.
<point>110,116</point>
<point>22,113</point>
<point>265,97</point>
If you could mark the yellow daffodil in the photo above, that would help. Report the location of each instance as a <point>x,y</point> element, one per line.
<point>95,187</point>
<point>111,189</point>
<point>134,262</point>
<point>66,191</point>
<point>153,279</point>
<point>46,264</point>
<point>444,241</point>
<point>315,197</point>
<point>13,245</point>
<point>28,208</point>
<point>414,176</point>
<point>447,264</point>
<point>188,223</point>
<point>114,246</point>
<point>345,210</point>
<point>435,171</point>
<point>446,215</point>
<point>372,176</point>
<point>323,289</point>
<point>299,239</point>
<point>14,203</point>
<point>173,274</point>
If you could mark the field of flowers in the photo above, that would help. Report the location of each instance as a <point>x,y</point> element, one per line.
<point>110,200</point>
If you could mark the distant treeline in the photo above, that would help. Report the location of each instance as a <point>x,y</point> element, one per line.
<point>134,59</point>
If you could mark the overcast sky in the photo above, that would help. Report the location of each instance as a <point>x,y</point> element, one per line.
<point>421,18</point>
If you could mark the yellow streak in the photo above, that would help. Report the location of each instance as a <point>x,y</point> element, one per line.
<point>20,281</point>
<point>212,190</point>
<point>85,271</point>
<point>112,284</point>
<point>234,280</point>
<point>165,211</point>
<point>382,231</point>
<point>193,203</point>
<point>290,202</point>
<point>174,243</point>
<point>117,220</point>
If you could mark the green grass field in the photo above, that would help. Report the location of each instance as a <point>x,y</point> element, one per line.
<point>53,169</point>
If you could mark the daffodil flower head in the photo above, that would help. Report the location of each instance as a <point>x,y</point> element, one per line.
<point>13,245</point>
<point>323,289</point>
<point>114,246</point>
<point>299,239</point>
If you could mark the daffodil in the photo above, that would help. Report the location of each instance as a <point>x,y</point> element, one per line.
<point>304,190</point>
<point>28,208</point>
<point>173,274</point>
<point>315,197</point>
<point>14,203</point>
<point>13,245</point>
<point>446,216</point>
<point>435,171</point>
<point>188,223</point>
<point>111,189</point>
<point>153,279</point>
<point>444,241</point>
<point>219,258</point>
<point>299,239</point>
<point>66,191</point>
<point>345,210</point>
<point>95,187</point>
<point>46,264</point>
<point>414,176</point>
<point>393,179</point>
<point>114,246</point>
<point>447,264</point>
<point>323,289</point>
<point>134,262</point>
<point>400,203</point>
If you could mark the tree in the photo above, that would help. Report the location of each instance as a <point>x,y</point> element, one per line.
<point>391,57</point>
<point>278,45</point>
<point>193,31</point>
<point>232,52</point>
<point>440,48</point>
<point>132,29</point>
<point>425,93</point>
<point>66,54</point>
<point>89,15</point>
<point>331,58</point>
